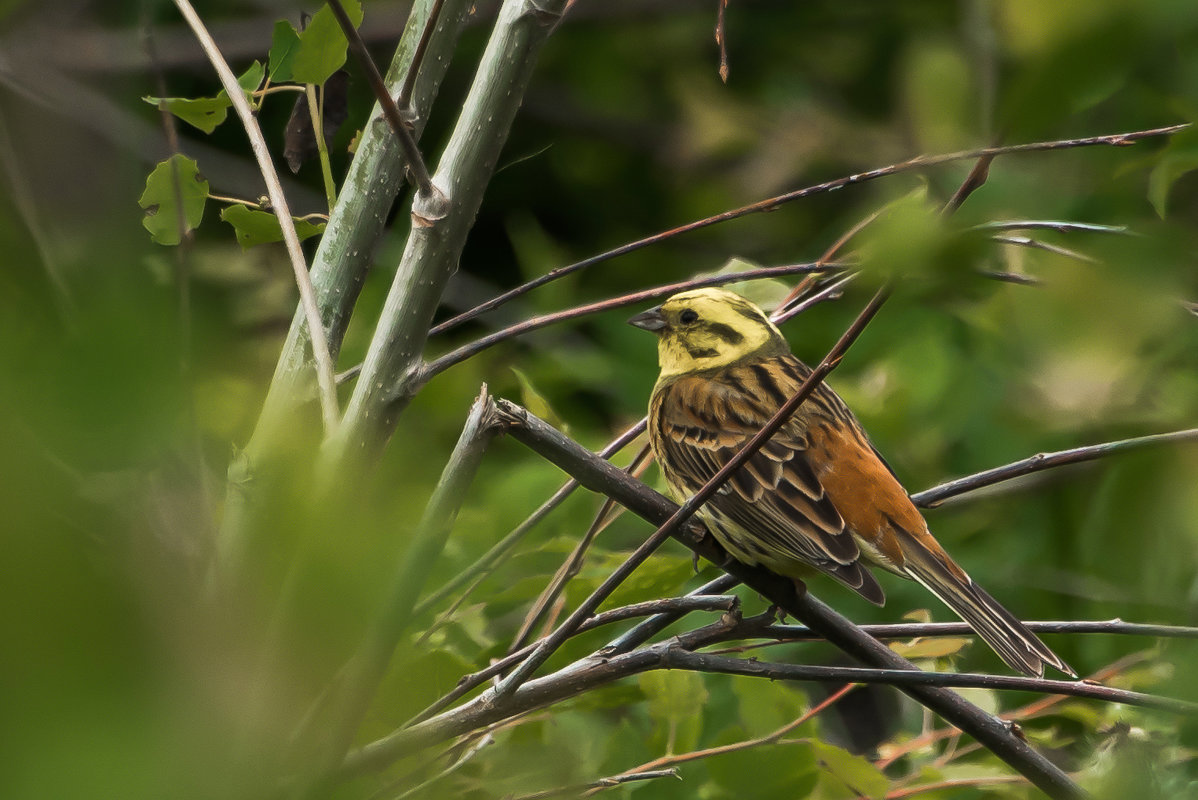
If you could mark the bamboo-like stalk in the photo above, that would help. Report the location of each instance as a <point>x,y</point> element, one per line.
<point>390,372</point>
<point>342,260</point>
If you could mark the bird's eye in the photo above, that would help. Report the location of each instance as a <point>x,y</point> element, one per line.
<point>688,316</point>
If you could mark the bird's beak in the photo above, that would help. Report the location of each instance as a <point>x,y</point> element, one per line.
<point>651,320</point>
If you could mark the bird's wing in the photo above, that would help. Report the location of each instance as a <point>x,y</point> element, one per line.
<point>702,421</point>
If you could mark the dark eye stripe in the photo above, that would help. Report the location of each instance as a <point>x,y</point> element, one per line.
<point>725,332</point>
<point>746,311</point>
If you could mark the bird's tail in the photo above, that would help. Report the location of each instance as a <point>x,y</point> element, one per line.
<point>1013,641</point>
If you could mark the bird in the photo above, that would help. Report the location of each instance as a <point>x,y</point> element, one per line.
<point>817,496</point>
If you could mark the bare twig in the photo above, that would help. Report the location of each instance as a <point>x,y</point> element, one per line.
<point>320,344</point>
<point>911,630</point>
<point>395,117</point>
<point>1059,226</point>
<point>587,789</point>
<point>747,744</point>
<point>1027,241</point>
<point>404,99</point>
<point>572,564</point>
<point>493,557</point>
<point>671,609</point>
<point>973,181</point>
<point>679,658</point>
<point>474,348</point>
<point>1032,709</point>
<point>687,510</point>
<point>721,37</point>
<point>638,635</point>
<point>931,498</point>
<point>953,783</point>
<point>771,203</point>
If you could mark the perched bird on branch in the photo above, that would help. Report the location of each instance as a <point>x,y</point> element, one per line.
<point>817,496</point>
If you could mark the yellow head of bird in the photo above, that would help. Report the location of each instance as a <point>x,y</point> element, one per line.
<point>707,329</point>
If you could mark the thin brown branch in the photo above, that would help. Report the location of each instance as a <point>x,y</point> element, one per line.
<point>931,498</point>
<point>721,37</point>
<point>1036,244</point>
<point>398,119</point>
<point>973,181</point>
<point>319,341</point>
<point>1035,708</point>
<point>644,631</point>
<point>673,608</point>
<point>679,658</point>
<point>404,100</point>
<point>736,747</point>
<point>588,789</point>
<point>772,203</point>
<point>954,783</point>
<point>500,550</point>
<point>572,564</point>
<point>914,630</point>
<point>474,348</point>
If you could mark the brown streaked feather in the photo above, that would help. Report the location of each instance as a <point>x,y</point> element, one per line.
<point>776,494</point>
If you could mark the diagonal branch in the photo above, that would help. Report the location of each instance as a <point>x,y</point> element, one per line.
<point>400,126</point>
<point>493,557</point>
<point>278,200</point>
<point>931,498</point>
<point>680,658</point>
<point>474,348</point>
<point>771,203</point>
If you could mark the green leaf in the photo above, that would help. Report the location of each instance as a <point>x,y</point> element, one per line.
<point>782,771</point>
<point>260,227</point>
<point>162,197</point>
<point>935,647</point>
<point>765,706</point>
<point>284,44</point>
<point>675,701</point>
<point>1179,158</point>
<point>855,772</point>
<point>206,113</point>
<point>322,45</point>
<point>251,79</point>
<point>536,402</point>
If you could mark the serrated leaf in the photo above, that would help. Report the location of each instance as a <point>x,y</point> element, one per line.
<point>284,44</point>
<point>162,197</point>
<point>322,45</point>
<point>255,227</point>
<point>858,774</point>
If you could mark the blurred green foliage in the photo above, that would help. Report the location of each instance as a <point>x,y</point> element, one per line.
<point>131,373</point>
